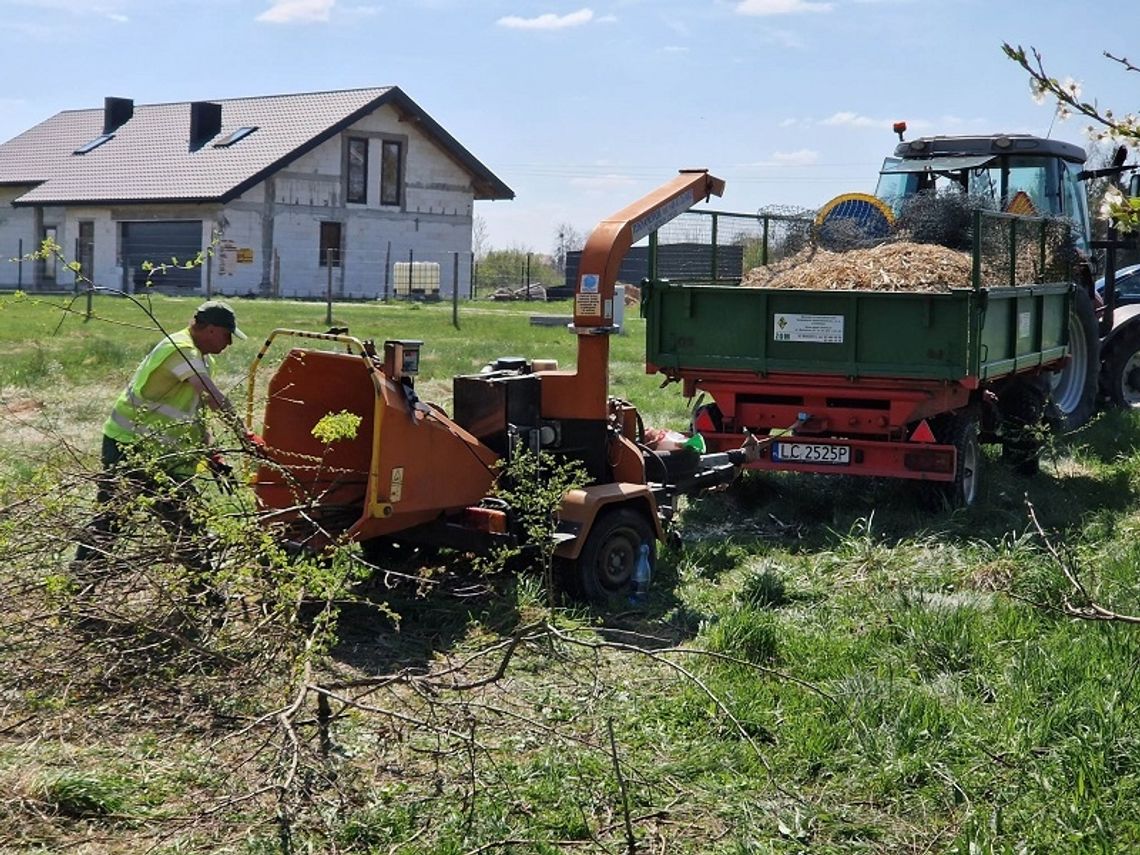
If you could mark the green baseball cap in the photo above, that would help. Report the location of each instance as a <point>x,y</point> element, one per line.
<point>220,314</point>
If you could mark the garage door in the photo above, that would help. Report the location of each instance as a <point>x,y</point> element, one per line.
<point>158,242</point>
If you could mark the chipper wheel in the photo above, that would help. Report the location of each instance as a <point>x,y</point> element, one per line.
<point>960,429</point>
<point>609,557</point>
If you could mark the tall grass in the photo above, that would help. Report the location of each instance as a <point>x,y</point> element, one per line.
<point>882,678</point>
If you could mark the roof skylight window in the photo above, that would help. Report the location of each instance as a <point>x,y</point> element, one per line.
<point>236,136</point>
<point>94,144</point>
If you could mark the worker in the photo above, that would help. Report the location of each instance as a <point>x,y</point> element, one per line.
<point>156,429</point>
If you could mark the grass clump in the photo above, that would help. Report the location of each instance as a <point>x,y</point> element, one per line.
<point>84,795</point>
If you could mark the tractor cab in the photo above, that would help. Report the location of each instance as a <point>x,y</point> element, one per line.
<point>1015,173</point>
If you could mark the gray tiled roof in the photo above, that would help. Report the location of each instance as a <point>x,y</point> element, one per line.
<point>149,159</point>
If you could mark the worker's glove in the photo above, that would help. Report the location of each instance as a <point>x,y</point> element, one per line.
<point>222,471</point>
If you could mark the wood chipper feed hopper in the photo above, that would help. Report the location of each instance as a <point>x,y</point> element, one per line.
<point>406,463</point>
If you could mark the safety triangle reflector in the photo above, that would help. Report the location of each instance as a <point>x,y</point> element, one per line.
<point>922,433</point>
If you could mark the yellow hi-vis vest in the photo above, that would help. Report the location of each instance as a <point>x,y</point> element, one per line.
<point>172,422</point>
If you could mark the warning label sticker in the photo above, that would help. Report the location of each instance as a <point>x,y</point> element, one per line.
<point>821,329</point>
<point>588,304</point>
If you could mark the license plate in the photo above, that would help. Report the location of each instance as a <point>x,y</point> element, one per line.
<point>811,452</point>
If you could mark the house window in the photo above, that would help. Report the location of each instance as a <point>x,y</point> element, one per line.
<point>357,170</point>
<point>391,172</point>
<point>47,264</point>
<point>85,250</point>
<point>236,136</point>
<point>330,244</point>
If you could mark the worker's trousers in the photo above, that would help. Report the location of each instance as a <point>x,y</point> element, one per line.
<point>121,481</point>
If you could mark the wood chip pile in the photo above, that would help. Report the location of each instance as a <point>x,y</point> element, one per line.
<point>897,266</point>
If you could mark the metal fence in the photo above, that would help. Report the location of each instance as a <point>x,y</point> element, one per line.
<point>731,243</point>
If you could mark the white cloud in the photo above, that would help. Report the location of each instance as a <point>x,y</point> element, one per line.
<point>800,157</point>
<point>675,49</point>
<point>548,21</point>
<point>789,123</point>
<point>780,7</point>
<point>291,11</point>
<point>854,120</point>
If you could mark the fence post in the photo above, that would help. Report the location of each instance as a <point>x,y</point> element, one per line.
<point>20,265</point>
<point>387,269</point>
<point>1013,251</point>
<point>330,256</point>
<point>209,274</point>
<point>276,273</point>
<point>527,283</point>
<point>764,242</point>
<point>455,292</point>
<point>714,247</point>
<point>411,266</point>
<point>471,292</point>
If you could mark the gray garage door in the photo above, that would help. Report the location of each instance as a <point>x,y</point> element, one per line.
<point>158,242</point>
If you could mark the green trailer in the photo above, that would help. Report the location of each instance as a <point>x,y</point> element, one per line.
<point>899,384</point>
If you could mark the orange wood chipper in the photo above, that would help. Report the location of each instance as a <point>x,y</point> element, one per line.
<point>414,475</point>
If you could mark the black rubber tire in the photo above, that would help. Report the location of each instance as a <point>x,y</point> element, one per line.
<point>961,430</point>
<point>1074,388</point>
<point>609,556</point>
<point>1023,406</point>
<point>1121,374</point>
<point>388,554</point>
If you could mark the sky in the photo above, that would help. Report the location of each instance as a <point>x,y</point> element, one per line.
<point>583,106</point>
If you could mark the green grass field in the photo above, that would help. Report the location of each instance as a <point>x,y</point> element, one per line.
<point>823,666</point>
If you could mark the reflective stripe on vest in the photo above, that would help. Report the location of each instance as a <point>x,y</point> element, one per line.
<point>171,420</point>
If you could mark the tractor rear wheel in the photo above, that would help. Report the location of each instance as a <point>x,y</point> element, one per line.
<point>1122,369</point>
<point>609,557</point>
<point>1074,387</point>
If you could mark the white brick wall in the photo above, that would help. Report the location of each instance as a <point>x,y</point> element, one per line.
<point>17,237</point>
<point>434,223</point>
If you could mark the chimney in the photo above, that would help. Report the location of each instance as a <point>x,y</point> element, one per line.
<point>205,123</point>
<point>116,113</point>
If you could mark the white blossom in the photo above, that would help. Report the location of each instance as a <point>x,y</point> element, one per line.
<point>1037,91</point>
<point>1071,88</point>
<point>1112,201</point>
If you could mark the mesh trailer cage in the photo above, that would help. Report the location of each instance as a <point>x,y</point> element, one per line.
<point>720,247</point>
<point>983,247</point>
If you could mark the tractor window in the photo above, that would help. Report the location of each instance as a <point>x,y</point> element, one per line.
<point>894,187</point>
<point>1075,203</point>
<point>1018,182</point>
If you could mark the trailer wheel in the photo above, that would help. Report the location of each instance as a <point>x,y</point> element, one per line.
<point>609,556</point>
<point>1023,406</point>
<point>1122,369</point>
<point>961,431</point>
<point>1074,387</point>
